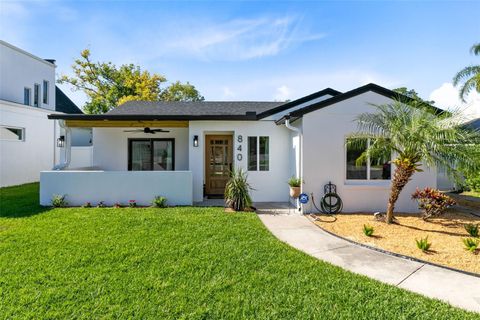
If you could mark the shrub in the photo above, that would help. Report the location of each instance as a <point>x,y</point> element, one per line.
<point>473,183</point>
<point>471,244</point>
<point>132,203</point>
<point>472,229</point>
<point>117,205</point>
<point>294,182</point>
<point>432,202</point>
<point>87,205</point>
<point>59,201</point>
<point>159,202</point>
<point>368,230</point>
<point>423,244</point>
<point>101,204</point>
<point>237,191</point>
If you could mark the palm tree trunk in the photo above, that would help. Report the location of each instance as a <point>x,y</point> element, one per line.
<point>403,174</point>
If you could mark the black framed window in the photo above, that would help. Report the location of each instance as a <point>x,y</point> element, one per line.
<point>151,154</point>
<point>252,154</point>
<point>45,91</point>
<point>26,96</point>
<point>36,95</point>
<point>377,168</point>
<point>258,153</point>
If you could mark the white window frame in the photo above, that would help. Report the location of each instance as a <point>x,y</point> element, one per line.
<point>368,180</point>
<point>45,90</point>
<point>14,127</point>
<point>29,96</point>
<point>37,85</point>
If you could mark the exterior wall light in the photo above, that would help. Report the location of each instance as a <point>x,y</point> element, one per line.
<point>195,141</point>
<point>61,142</point>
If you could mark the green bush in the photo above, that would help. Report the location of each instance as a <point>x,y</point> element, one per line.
<point>237,191</point>
<point>473,183</point>
<point>87,205</point>
<point>472,229</point>
<point>423,244</point>
<point>159,202</point>
<point>368,230</point>
<point>59,201</point>
<point>471,244</point>
<point>294,182</point>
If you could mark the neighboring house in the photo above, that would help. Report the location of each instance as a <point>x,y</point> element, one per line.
<point>185,151</point>
<point>27,95</point>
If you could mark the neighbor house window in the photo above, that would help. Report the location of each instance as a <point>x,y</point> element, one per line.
<point>27,96</point>
<point>378,168</point>
<point>45,91</point>
<point>258,153</point>
<point>12,133</point>
<point>151,154</point>
<point>36,95</point>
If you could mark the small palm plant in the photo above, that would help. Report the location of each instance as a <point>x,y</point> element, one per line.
<point>423,244</point>
<point>237,191</point>
<point>472,229</point>
<point>415,134</point>
<point>368,230</point>
<point>471,244</point>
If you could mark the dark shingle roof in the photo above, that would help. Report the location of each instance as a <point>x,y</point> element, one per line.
<point>64,104</point>
<point>192,108</point>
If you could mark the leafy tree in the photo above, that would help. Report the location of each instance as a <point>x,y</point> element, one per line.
<point>469,77</point>
<point>411,93</point>
<point>108,86</point>
<point>415,135</point>
<point>178,91</point>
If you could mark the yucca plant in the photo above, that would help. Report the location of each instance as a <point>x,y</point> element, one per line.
<point>237,191</point>
<point>416,135</point>
<point>368,230</point>
<point>472,229</point>
<point>471,244</point>
<point>423,244</point>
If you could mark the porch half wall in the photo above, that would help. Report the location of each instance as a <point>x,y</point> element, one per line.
<point>111,187</point>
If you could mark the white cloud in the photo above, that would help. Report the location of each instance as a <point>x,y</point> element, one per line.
<point>240,39</point>
<point>283,93</point>
<point>228,93</point>
<point>446,97</point>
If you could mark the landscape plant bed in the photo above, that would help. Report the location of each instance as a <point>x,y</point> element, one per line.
<point>444,233</point>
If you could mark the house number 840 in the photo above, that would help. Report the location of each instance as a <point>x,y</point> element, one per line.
<point>239,148</point>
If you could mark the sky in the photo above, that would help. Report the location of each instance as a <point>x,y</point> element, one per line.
<point>268,50</point>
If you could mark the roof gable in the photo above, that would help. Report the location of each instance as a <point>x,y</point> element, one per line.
<point>64,104</point>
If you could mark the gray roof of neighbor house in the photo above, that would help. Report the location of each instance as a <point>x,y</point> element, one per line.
<point>194,108</point>
<point>473,124</point>
<point>64,104</point>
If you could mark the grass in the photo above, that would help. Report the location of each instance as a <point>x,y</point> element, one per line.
<point>176,263</point>
<point>471,194</point>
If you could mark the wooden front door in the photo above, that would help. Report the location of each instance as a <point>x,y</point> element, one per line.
<point>218,163</point>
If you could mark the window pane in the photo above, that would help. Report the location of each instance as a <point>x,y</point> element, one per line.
<point>26,96</point>
<point>45,92</point>
<point>252,153</point>
<point>36,93</point>
<point>163,155</point>
<point>264,154</point>
<point>7,133</point>
<point>141,155</point>
<point>380,169</point>
<point>355,172</point>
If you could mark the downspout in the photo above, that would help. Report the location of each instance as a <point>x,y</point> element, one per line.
<point>300,155</point>
<point>68,144</point>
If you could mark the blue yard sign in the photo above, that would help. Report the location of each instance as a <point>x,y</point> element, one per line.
<point>303,198</point>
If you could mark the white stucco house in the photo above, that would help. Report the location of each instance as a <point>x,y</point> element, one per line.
<point>27,96</point>
<point>184,151</point>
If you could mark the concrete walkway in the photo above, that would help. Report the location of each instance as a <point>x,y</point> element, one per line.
<point>456,288</point>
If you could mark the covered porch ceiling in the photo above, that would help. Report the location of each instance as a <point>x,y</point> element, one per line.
<point>126,123</point>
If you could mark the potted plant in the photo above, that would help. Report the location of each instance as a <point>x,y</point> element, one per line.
<point>294,184</point>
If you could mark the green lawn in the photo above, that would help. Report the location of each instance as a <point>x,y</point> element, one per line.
<point>177,263</point>
<point>471,194</point>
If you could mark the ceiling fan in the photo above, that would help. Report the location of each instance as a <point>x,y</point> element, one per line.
<point>147,130</point>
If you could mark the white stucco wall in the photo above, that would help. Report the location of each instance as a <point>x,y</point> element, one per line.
<point>81,137</point>
<point>20,69</point>
<point>269,185</point>
<point>110,147</point>
<point>111,187</point>
<point>324,133</point>
<point>22,161</point>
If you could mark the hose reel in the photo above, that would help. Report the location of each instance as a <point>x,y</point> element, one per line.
<point>331,203</point>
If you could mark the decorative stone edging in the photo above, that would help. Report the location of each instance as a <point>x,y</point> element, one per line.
<point>398,255</point>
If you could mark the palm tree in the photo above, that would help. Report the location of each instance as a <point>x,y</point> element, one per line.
<point>414,135</point>
<point>469,76</point>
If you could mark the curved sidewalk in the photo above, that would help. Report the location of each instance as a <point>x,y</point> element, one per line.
<point>456,288</point>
